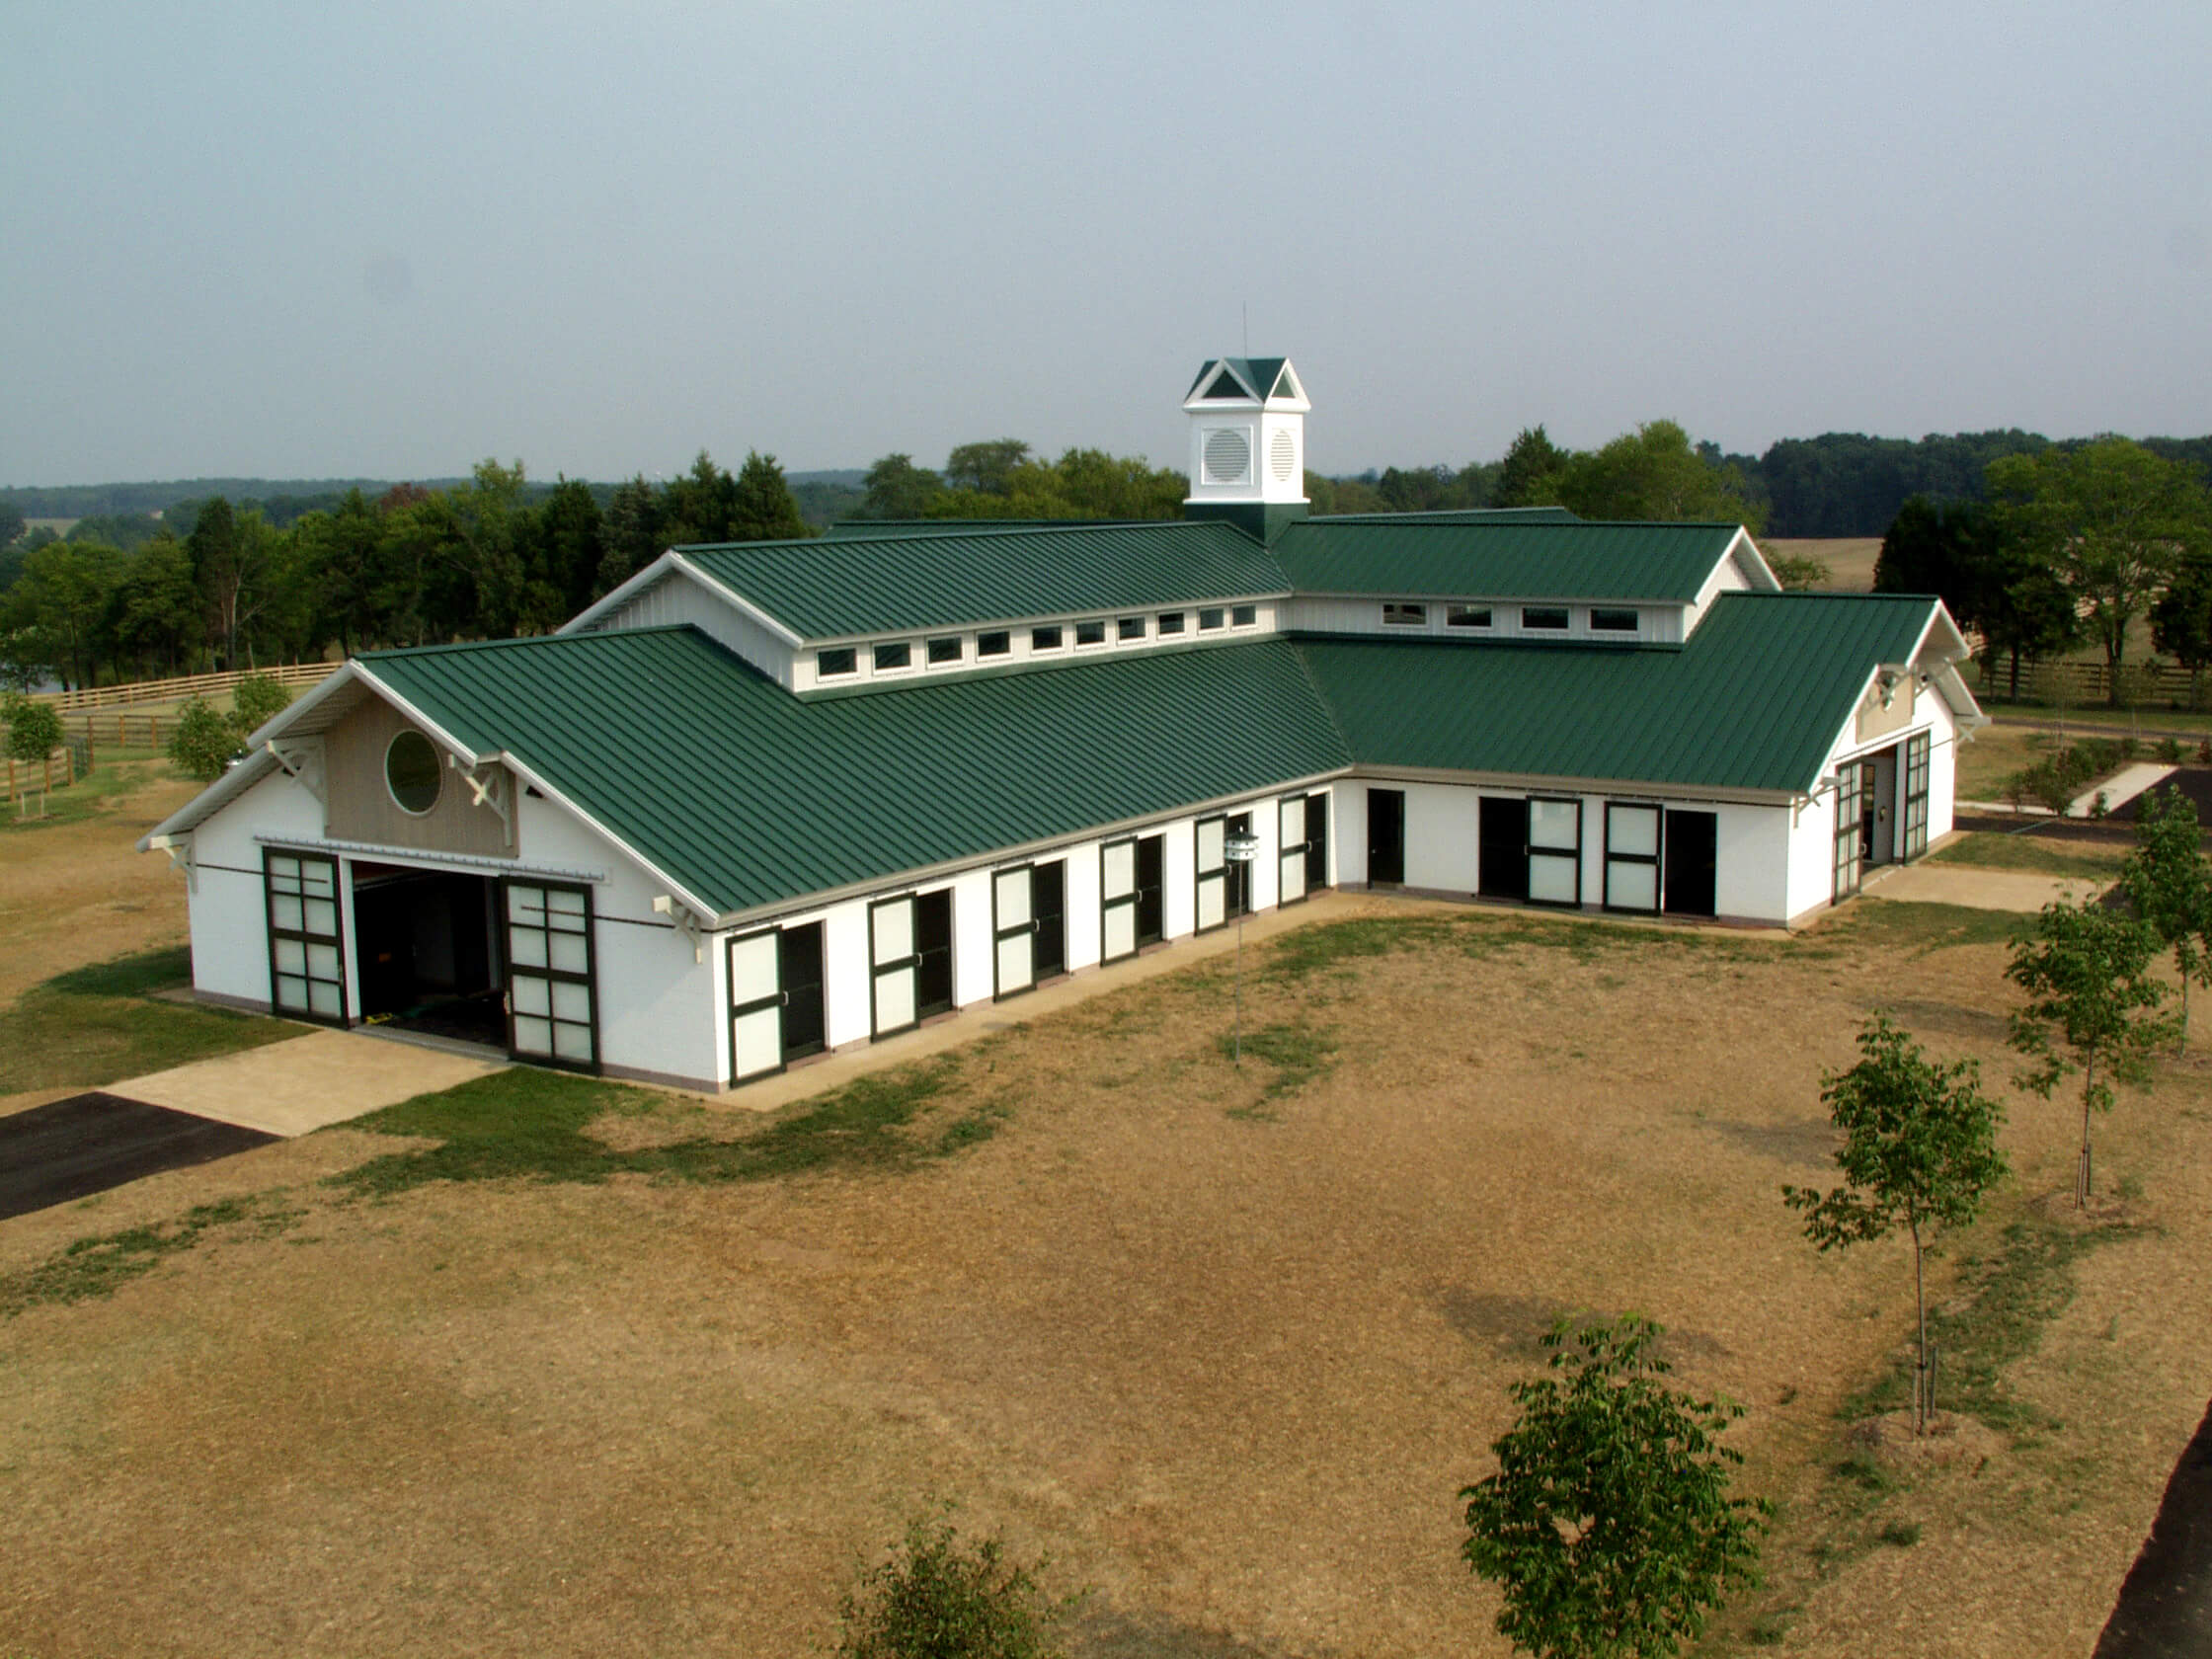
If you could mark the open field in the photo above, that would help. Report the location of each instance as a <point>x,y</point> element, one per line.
<point>1850,559</point>
<point>2035,854</point>
<point>547,1366</point>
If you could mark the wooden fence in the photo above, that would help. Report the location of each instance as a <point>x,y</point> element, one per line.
<point>37,774</point>
<point>119,728</point>
<point>189,685</point>
<point>2075,682</point>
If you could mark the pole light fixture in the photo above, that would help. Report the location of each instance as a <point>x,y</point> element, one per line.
<point>1241,849</point>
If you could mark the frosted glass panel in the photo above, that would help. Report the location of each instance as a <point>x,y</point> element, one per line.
<point>1121,930</point>
<point>531,995</point>
<point>1553,824</point>
<point>322,997</point>
<point>525,947</point>
<point>527,903</point>
<point>1551,878</point>
<point>284,871</point>
<point>760,1039</point>
<point>321,918</point>
<point>1632,887</point>
<point>752,969</point>
<point>1013,964</point>
<point>893,926</point>
<point>532,1036</point>
<point>568,953</point>
<point>322,960</point>
<point>1013,899</point>
<point>1212,900</point>
<point>572,1042</point>
<point>291,957</point>
<point>318,878</point>
<point>286,913</point>
<point>1293,822</point>
<point>1632,829</point>
<point>1294,877</point>
<point>290,992</point>
<point>894,1000</point>
<point>1121,870</point>
<point>565,909</point>
<point>1210,843</point>
<point>571,1001</point>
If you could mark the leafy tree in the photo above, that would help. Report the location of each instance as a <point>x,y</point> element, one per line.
<point>1941,548</point>
<point>898,489</point>
<point>762,507</point>
<point>2087,975</point>
<point>34,726</point>
<point>1798,573</point>
<point>1655,473</point>
<point>157,610</point>
<point>69,589</point>
<point>630,535</point>
<point>2168,883</point>
<point>129,532</point>
<point>1342,495</point>
<point>569,527</point>
<point>1608,1524</point>
<point>940,1597</point>
<point>11,522</point>
<point>1529,476</point>
<point>257,699</point>
<point>2112,520</point>
<point>203,741</point>
<point>699,505</point>
<point>2181,621</point>
<point>1919,1152</point>
<point>986,467</point>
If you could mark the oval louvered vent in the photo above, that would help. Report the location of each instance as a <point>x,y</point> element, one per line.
<point>1229,456</point>
<point>1282,455</point>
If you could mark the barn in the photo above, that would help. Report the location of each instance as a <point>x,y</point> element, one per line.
<point>769,800</point>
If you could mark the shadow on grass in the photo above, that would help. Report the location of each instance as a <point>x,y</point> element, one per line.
<point>93,1025</point>
<point>530,1124</point>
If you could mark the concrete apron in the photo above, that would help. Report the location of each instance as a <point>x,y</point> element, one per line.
<point>1980,890</point>
<point>296,1086</point>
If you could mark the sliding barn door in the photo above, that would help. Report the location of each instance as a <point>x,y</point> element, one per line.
<point>552,998</point>
<point>307,946</point>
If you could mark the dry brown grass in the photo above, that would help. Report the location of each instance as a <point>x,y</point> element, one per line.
<point>72,894</point>
<point>1850,559</point>
<point>1227,1357</point>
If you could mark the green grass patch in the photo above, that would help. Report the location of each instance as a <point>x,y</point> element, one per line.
<point>1995,1316</point>
<point>1983,850</point>
<point>93,1025</point>
<point>1921,929</point>
<point>91,796</point>
<point>1295,1054</point>
<point>97,1266</point>
<point>529,1125</point>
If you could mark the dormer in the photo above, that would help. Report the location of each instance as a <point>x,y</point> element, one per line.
<point>1248,448</point>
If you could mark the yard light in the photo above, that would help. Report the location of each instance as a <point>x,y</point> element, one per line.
<point>1240,849</point>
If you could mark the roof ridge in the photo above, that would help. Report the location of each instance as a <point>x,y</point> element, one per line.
<point>390,652</point>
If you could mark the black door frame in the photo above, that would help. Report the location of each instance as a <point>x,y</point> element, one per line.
<point>590,979</point>
<point>1374,793</point>
<point>335,938</point>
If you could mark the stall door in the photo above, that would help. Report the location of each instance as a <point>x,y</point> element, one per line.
<point>1691,840</point>
<point>1632,856</point>
<point>1047,903</point>
<point>1851,829</point>
<point>306,947</point>
<point>1117,901</point>
<point>1556,852</point>
<point>933,954</point>
<point>1014,929</point>
<point>1916,797</point>
<point>1503,848</point>
<point>1151,890</point>
<point>775,1001</point>
<point>892,964</point>
<point>1317,842</point>
<point>1212,873</point>
<point>552,1012</point>
<point>1386,838</point>
<point>1290,817</point>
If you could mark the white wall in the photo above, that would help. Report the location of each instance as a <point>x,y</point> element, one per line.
<point>1658,624</point>
<point>229,920</point>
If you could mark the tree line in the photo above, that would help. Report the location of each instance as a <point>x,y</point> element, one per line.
<point>2073,544</point>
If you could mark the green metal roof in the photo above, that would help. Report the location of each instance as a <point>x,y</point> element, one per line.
<point>1502,560</point>
<point>1754,700</point>
<point>833,588</point>
<point>1458,515</point>
<point>746,794</point>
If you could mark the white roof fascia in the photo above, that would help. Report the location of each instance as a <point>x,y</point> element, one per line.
<point>1064,618</point>
<point>536,780</point>
<point>1949,652</point>
<point>1756,570</point>
<point>258,764</point>
<point>735,600</point>
<point>617,595</point>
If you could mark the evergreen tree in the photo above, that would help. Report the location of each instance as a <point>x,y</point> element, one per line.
<point>630,535</point>
<point>762,507</point>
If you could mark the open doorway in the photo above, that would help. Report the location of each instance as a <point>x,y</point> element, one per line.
<point>428,953</point>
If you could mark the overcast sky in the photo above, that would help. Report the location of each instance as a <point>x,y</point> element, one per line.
<point>310,240</point>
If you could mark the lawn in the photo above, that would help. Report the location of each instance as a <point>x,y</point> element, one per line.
<point>2035,855</point>
<point>551,1366</point>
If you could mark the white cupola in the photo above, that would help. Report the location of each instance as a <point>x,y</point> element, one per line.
<point>1247,443</point>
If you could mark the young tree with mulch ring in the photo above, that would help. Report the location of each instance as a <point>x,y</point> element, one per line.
<point>1919,1152</point>
<point>2087,975</point>
<point>2170,884</point>
<point>33,728</point>
<point>1609,1524</point>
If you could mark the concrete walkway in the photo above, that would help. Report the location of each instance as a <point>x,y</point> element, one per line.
<point>2120,788</point>
<point>1980,890</point>
<point>291,1087</point>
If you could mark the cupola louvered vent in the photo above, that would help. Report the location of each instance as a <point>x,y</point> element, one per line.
<point>1229,456</point>
<point>1282,455</point>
